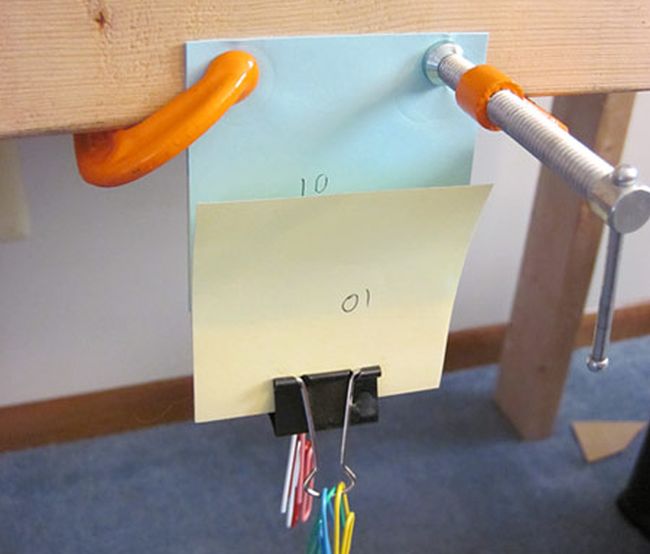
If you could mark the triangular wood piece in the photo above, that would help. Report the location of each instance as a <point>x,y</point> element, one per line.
<point>601,439</point>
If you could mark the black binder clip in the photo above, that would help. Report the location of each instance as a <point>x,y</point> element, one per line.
<point>327,394</point>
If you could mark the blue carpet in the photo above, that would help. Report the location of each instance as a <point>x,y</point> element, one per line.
<point>441,472</point>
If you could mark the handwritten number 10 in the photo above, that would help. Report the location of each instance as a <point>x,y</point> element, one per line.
<point>320,184</point>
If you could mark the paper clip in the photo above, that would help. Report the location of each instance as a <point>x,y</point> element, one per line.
<point>295,483</point>
<point>343,520</point>
<point>326,499</point>
<point>296,504</point>
<point>344,435</point>
<point>288,476</point>
<point>319,540</point>
<point>306,500</point>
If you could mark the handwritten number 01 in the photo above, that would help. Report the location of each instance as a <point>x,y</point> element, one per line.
<point>351,302</point>
<point>320,184</point>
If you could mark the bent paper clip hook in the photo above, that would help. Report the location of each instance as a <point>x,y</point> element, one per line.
<point>113,158</point>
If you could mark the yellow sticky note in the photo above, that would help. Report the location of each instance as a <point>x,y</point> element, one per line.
<point>309,285</point>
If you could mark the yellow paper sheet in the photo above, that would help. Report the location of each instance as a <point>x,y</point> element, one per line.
<point>308,285</point>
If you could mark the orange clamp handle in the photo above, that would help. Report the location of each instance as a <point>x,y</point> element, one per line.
<point>113,158</point>
<point>477,85</point>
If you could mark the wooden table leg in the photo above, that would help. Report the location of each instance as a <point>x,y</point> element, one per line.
<point>557,265</point>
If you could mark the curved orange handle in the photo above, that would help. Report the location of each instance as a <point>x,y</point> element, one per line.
<point>113,158</point>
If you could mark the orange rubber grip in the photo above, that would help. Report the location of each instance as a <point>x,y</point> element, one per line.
<point>477,86</point>
<point>113,158</point>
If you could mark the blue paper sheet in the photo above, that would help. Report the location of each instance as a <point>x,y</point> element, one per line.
<point>332,115</point>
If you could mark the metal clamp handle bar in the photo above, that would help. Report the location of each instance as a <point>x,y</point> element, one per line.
<point>614,194</point>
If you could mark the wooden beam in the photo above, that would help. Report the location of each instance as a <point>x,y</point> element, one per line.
<point>557,266</point>
<point>70,65</point>
<point>161,402</point>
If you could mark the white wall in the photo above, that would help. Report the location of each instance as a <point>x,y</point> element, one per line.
<point>96,297</point>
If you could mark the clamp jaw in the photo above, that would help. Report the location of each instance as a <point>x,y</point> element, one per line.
<point>615,194</point>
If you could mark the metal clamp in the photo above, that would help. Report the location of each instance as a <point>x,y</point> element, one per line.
<point>116,157</point>
<point>614,194</point>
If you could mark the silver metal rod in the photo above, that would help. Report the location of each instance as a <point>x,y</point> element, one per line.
<point>451,69</point>
<point>580,167</point>
<point>444,63</point>
<point>624,208</point>
<point>598,360</point>
<point>615,194</point>
<point>311,429</point>
<point>352,477</point>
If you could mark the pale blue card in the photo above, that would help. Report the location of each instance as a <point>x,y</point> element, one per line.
<point>332,115</point>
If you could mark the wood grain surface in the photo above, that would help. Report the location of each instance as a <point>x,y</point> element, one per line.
<point>70,65</point>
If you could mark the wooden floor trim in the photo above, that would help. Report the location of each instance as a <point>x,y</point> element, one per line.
<point>168,401</point>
